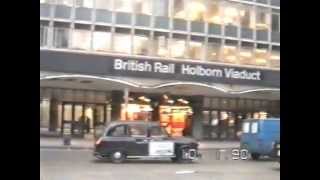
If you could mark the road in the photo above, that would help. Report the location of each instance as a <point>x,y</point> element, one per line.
<point>62,164</point>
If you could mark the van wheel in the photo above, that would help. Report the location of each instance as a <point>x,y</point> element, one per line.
<point>255,156</point>
<point>118,157</point>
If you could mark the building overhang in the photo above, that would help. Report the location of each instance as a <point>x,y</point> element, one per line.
<point>148,85</point>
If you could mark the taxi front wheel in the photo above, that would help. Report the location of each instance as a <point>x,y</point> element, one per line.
<point>118,157</point>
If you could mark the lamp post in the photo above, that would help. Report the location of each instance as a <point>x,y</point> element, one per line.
<point>126,99</point>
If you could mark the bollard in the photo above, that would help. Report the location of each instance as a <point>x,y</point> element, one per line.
<point>67,134</point>
<point>67,140</point>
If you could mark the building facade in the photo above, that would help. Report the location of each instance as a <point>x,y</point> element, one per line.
<point>199,67</point>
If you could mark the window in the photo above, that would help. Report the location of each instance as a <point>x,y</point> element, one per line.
<point>196,49</point>
<point>143,6</point>
<point>233,103</point>
<point>118,131</point>
<point>103,4</point>
<point>261,57</point>
<point>157,131</point>
<point>246,56</point>
<point>247,18</point>
<point>206,117</point>
<point>81,39</point>
<point>231,14</point>
<point>137,130</point>
<point>213,49</point>
<point>122,43</point>
<point>160,44</point>
<point>275,59</point>
<point>206,102</point>
<point>215,103</point>
<point>229,54</point>
<point>161,7</point>
<point>44,1</point>
<point>44,113</point>
<point>178,48</point>
<point>262,19</point>
<point>43,35</point>
<point>189,10</point>
<point>123,6</point>
<point>61,37</point>
<point>101,41</point>
<point>214,118</point>
<point>64,2</point>
<point>275,23</point>
<point>213,13</point>
<point>225,103</point>
<point>254,127</point>
<point>246,127</point>
<point>141,45</point>
<point>84,3</point>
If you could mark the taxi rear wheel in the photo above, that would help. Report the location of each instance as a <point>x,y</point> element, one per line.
<point>179,158</point>
<point>118,157</point>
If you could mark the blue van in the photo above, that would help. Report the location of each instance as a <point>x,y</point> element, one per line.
<point>258,136</point>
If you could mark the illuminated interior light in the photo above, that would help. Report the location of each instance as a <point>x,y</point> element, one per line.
<point>260,50</point>
<point>262,25</point>
<point>231,58</point>
<point>230,11</point>
<point>213,54</point>
<point>215,19</point>
<point>170,101</point>
<point>147,100</point>
<point>165,96</point>
<point>260,60</point>
<point>275,57</point>
<point>246,54</point>
<point>229,47</point>
<point>242,13</point>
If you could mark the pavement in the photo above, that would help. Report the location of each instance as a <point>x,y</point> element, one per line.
<point>59,164</point>
<point>88,143</point>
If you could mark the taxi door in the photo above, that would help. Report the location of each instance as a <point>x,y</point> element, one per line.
<point>139,141</point>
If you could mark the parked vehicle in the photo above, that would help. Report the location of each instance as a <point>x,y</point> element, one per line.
<point>258,136</point>
<point>138,139</point>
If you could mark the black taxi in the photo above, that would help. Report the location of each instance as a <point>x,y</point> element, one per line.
<point>123,140</point>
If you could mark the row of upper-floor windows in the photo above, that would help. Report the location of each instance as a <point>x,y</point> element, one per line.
<point>161,44</point>
<point>222,12</point>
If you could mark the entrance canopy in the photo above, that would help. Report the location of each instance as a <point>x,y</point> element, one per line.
<point>147,85</point>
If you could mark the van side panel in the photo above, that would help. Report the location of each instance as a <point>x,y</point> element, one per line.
<point>261,142</point>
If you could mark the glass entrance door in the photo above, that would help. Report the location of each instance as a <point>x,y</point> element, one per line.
<point>82,117</point>
<point>78,124</point>
<point>67,118</point>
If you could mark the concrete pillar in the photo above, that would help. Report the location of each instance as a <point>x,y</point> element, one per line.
<point>53,121</point>
<point>197,127</point>
<point>117,99</point>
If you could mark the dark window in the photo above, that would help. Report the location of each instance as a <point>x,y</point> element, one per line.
<point>137,130</point>
<point>275,23</point>
<point>118,131</point>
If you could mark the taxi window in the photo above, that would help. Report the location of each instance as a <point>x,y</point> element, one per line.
<point>118,131</point>
<point>254,127</point>
<point>246,127</point>
<point>157,131</point>
<point>137,130</point>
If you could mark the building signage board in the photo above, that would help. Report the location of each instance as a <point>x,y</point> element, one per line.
<point>184,69</point>
<point>102,65</point>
